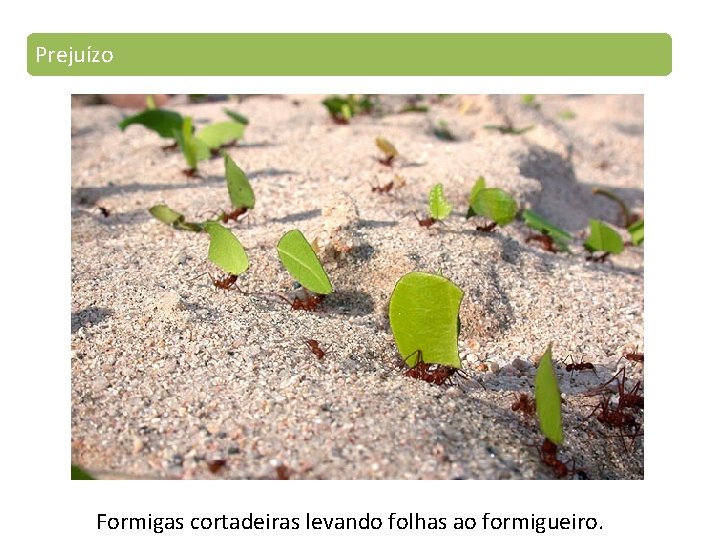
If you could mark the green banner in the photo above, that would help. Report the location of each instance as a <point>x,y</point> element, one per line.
<point>350,54</point>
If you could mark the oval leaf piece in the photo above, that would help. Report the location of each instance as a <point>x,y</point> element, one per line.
<point>386,147</point>
<point>237,117</point>
<point>241,194</point>
<point>225,250</point>
<point>547,399</point>
<point>439,206</point>
<point>424,317</point>
<point>221,133</point>
<point>495,204</point>
<point>298,258</point>
<point>479,184</point>
<point>161,121</point>
<point>603,238</point>
<point>166,214</point>
<point>535,221</point>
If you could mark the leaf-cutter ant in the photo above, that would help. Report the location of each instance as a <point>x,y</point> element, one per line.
<point>598,258</point>
<point>426,222</point>
<point>215,465</point>
<point>626,400</point>
<point>433,373</point>
<point>310,302</point>
<point>488,226</point>
<point>545,240</point>
<point>635,356</point>
<point>387,160</point>
<point>524,404</point>
<point>385,188</point>
<point>578,366</point>
<point>225,283</point>
<point>548,454</point>
<point>104,211</point>
<point>314,347</point>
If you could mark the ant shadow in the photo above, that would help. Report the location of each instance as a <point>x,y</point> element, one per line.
<point>298,216</point>
<point>355,303</point>
<point>561,189</point>
<point>91,315</point>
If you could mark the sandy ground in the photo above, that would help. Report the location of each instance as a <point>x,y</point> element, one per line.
<point>170,375</point>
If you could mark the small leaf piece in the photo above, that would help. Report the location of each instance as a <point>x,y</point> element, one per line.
<point>239,189</point>
<point>479,184</point>
<point>237,117</point>
<point>165,214</point>
<point>603,238</point>
<point>161,121</point>
<point>193,148</point>
<point>494,204</point>
<point>423,313</point>
<point>547,399</point>
<point>386,147</point>
<point>225,249</point>
<point>439,206</point>
<point>637,232</point>
<point>78,473</point>
<point>221,133</point>
<point>299,259</point>
<point>535,221</point>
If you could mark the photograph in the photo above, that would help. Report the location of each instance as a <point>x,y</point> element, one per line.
<point>357,286</point>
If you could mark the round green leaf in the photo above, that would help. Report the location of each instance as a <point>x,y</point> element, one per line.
<point>424,317</point>
<point>494,204</point>
<point>440,208</point>
<point>221,133</point>
<point>225,250</point>
<point>603,238</point>
<point>535,221</point>
<point>298,258</point>
<point>241,194</point>
<point>547,399</point>
<point>161,121</point>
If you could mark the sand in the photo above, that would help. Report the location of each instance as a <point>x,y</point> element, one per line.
<point>173,378</point>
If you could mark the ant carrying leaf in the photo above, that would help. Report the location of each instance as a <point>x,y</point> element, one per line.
<point>388,149</point>
<point>602,239</point>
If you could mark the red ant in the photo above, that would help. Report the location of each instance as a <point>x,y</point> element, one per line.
<point>283,472</point>
<point>215,465</point>
<point>384,189</point>
<point>104,211</point>
<point>627,400</point>
<point>191,172</point>
<point>635,356</point>
<point>426,222</point>
<point>387,160</point>
<point>545,240</point>
<point>598,258</point>
<point>548,454</point>
<point>234,215</point>
<point>578,366</point>
<point>225,283</point>
<point>310,302</point>
<point>314,347</point>
<point>524,404</point>
<point>615,417</point>
<point>433,373</point>
<point>488,227</point>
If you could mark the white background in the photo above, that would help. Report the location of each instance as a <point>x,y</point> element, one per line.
<point>681,175</point>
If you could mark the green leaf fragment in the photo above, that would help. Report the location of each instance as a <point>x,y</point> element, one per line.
<point>299,259</point>
<point>239,189</point>
<point>603,238</point>
<point>442,131</point>
<point>386,147</point>
<point>221,133</point>
<point>161,121</point>
<point>535,221</point>
<point>225,249</point>
<point>637,232</point>
<point>173,218</point>
<point>237,117</point>
<point>479,184</point>
<point>494,204</point>
<point>424,316</point>
<point>193,148</point>
<point>547,399</point>
<point>78,473</point>
<point>150,102</point>
<point>567,115</point>
<point>439,206</point>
